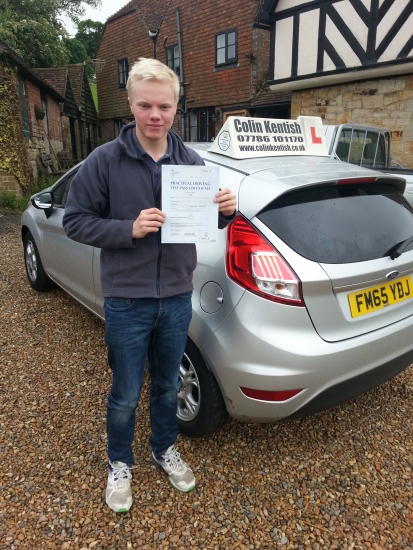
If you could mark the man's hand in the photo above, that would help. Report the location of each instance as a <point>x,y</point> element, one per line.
<point>148,221</point>
<point>227,201</point>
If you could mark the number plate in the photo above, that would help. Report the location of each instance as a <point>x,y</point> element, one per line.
<point>371,299</point>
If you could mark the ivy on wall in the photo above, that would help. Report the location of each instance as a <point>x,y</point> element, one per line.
<point>13,154</point>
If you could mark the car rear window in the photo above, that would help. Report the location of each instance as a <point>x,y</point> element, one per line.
<point>339,224</point>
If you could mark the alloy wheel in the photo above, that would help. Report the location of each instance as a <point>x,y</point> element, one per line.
<point>31,261</point>
<point>189,395</point>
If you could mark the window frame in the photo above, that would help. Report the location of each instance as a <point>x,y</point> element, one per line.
<point>24,108</point>
<point>122,73</point>
<point>175,59</point>
<point>228,60</point>
<point>210,125</point>
<point>118,124</point>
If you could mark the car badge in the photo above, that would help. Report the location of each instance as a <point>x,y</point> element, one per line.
<point>392,275</point>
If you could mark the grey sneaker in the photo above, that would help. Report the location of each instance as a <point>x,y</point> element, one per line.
<point>118,489</point>
<point>179,473</point>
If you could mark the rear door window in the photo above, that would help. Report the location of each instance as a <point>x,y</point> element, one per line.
<point>356,147</point>
<point>343,144</point>
<point>363,147</point>
<point>375,150</point>
<point>381,154</point>
<point>370,149</point>
<point>341,224</point>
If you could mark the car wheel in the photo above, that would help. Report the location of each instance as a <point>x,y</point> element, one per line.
<point>34,267</point>
<point>201,407</point>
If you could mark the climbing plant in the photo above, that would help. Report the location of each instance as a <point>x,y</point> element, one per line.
<point>13,155</point>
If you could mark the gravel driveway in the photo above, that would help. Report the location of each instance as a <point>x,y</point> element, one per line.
<point>340,479</point>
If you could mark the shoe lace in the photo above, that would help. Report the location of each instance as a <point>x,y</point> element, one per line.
<point>121,476</point>
<point>174,461</point>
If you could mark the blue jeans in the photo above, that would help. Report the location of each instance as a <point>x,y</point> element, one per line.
<point>137,329</point>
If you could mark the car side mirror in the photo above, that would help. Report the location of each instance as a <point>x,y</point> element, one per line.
<point>44,201</point>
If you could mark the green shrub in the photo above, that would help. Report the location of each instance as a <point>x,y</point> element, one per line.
<point>8,200</point>
<point>23,202</point>
<point>42,184</point>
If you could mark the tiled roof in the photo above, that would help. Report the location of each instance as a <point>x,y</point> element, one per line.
<point>28,71</point>
<point>81,92</point>
<point>56,77</point>
<point>130,6</point>
<point>265,96</point>
<point>152,13</point>
<point>76,80</point>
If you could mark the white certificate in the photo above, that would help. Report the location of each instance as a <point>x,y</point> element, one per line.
<point>188,194</point>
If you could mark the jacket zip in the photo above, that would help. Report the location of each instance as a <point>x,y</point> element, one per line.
<point>158,269</point>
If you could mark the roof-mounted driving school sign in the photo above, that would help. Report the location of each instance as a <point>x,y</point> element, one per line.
<point>243,137</point>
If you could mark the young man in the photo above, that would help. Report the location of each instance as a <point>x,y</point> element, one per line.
<point>114,204</point>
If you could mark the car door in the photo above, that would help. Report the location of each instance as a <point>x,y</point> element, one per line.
<point>68,262</point>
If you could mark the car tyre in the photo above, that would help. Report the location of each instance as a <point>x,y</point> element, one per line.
<point>201,407</point>
<point>36,274</point>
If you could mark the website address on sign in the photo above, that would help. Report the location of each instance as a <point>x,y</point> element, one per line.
<point>272,148</point>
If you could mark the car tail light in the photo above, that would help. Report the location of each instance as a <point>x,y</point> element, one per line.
<point>264,395</point>
<point>255,264</point>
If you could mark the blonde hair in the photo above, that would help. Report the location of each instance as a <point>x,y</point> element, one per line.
<point>152,69</point>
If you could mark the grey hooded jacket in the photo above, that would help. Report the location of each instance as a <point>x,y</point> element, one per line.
<point>106,196</point>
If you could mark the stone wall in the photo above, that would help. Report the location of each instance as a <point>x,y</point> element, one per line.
<point>9,184</point>
<point>385,103</point>
<point>34,147</point>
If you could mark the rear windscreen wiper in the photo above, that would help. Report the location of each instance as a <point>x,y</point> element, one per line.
<point>401,248</point>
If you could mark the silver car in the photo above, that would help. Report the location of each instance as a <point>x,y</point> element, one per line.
<point>306,300</point>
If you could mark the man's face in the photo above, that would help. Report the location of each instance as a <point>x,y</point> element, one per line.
<point>153,106</point>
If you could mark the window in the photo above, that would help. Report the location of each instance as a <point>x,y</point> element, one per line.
<point>226,47</point>
<point>362,147</point>
<point>340,224</point>
<point>122,72</point>
<point>172,58</point>
<point>61,191</point>
<point>201,125</point>
<point>117,126</point>
<point>23,109</point>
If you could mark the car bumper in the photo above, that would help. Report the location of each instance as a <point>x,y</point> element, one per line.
<point>272,347</point>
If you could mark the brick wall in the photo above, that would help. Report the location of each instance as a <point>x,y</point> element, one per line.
<point>205,86</point>
<point>106,128</point>
<point>261,51</point>
<point>386,103</point>
<point>53,113</point>
<point>54,122</point>
<point>9,184</point>
<point>33,99</point>
<point>35,143</point>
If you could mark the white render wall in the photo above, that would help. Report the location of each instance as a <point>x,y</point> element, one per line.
<point>332,40</point>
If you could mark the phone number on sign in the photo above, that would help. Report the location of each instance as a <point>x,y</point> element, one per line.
<point>279,139</point>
